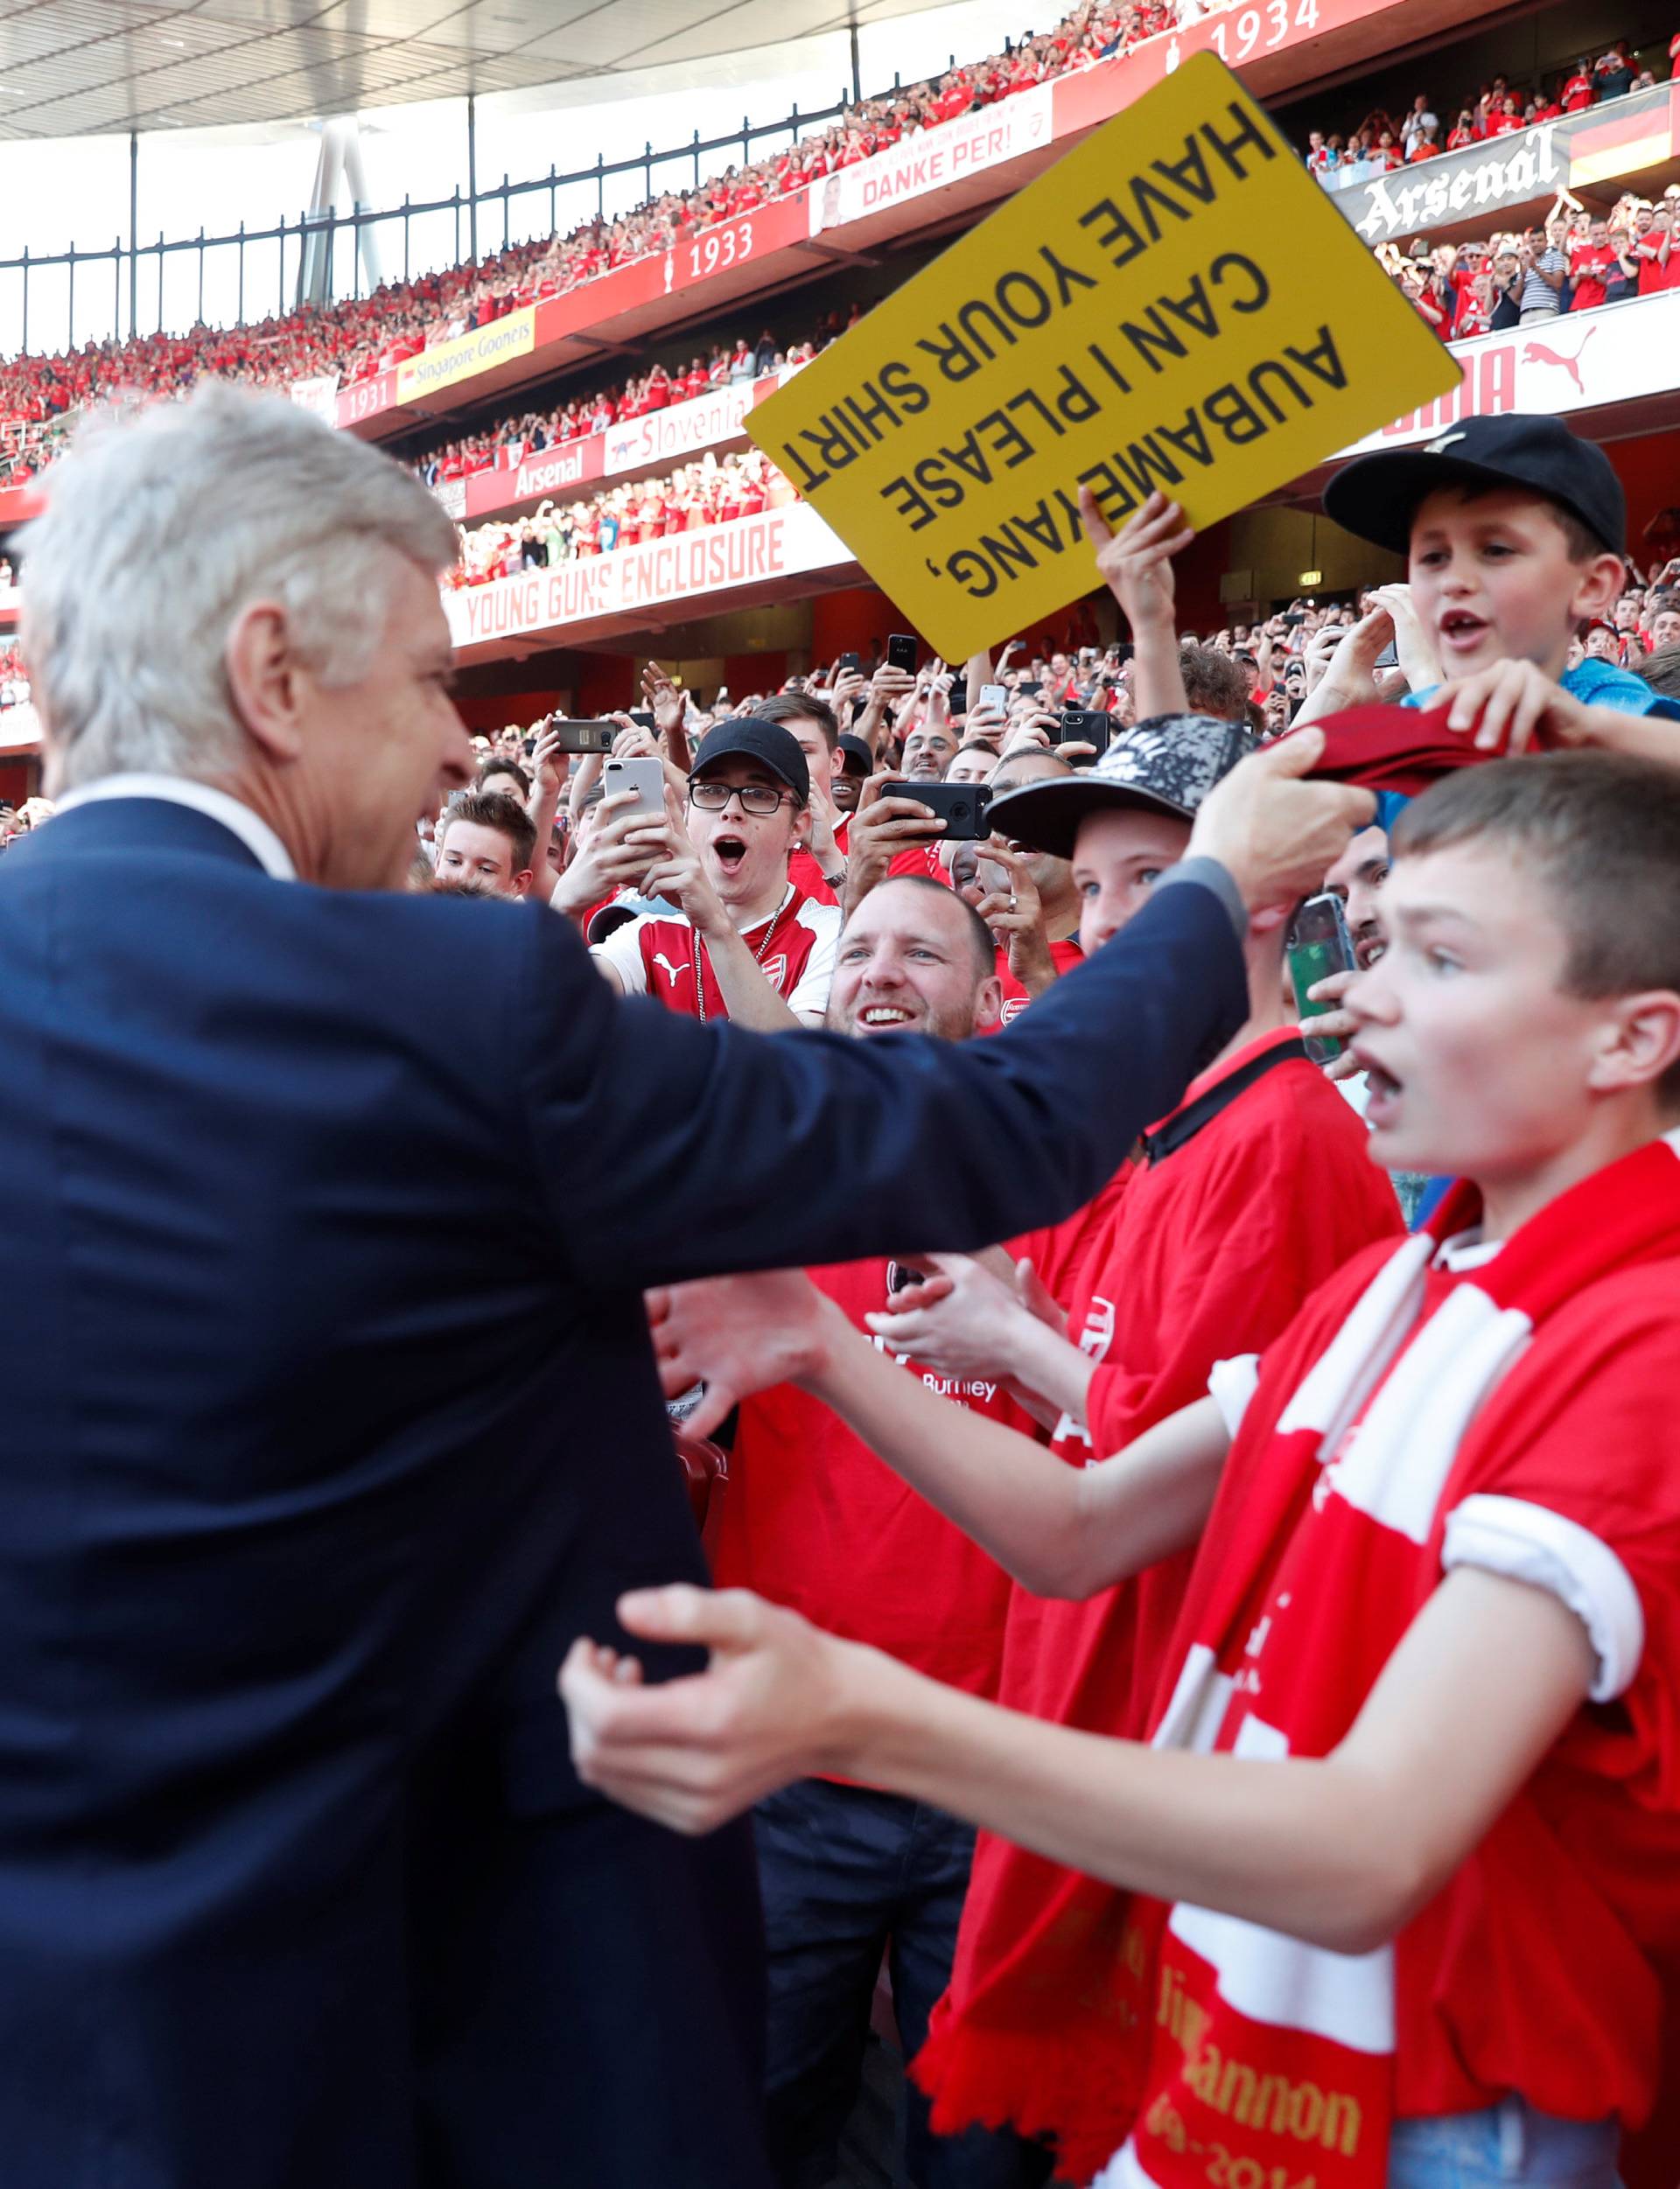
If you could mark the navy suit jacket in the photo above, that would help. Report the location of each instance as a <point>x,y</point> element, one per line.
<point>330,1417</point>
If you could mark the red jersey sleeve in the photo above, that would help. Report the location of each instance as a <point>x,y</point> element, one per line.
<point>1566,1481</point>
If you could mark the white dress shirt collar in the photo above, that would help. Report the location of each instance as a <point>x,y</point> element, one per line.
<point>219,805</point>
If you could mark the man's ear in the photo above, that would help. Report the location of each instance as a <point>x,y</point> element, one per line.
<point>989,1004</point>
<point>521,885</point>
<point>262,671</point>
<point>1598,587</point>
<point>802,824</point>
<point>1640,1042</point>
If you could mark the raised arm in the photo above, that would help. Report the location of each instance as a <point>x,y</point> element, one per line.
<point>1060,1531</point>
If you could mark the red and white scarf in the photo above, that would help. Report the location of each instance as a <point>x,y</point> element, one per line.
<point>1278,2053</point>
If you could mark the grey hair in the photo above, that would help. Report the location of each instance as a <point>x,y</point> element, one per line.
<point>158,531</point>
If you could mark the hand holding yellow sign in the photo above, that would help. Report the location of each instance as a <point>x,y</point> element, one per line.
<point>1175,303</point>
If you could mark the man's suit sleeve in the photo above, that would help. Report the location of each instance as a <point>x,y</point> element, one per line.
<point>669,1149</point>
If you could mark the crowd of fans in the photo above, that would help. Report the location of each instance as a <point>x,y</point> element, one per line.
<point>507,444</point>
<point>1574,261</point>
<point>358,337</point>
<point>711,490</point>
<point>1382,142</point>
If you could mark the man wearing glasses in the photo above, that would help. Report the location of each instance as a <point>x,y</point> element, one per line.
<point>746,943</point>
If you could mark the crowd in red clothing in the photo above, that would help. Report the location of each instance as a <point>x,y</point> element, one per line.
<point>1574,261</point>
<point>506,444</point>
<point>713,489</point>
<point>1382,143</point>
<point>358,337</point>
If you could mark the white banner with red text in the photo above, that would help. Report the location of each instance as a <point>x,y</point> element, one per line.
<point>319,394</point>
<point>711,421</point>
<point>931,158</point>
<point>1579,360</point>
<point>684,569</point>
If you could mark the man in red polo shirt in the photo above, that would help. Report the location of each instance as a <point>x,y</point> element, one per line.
<point>812,1519</point>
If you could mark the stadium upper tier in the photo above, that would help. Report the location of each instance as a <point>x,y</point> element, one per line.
<point>382,363</point>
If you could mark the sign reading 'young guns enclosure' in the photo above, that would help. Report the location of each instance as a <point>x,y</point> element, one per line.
<point>1175,305</point>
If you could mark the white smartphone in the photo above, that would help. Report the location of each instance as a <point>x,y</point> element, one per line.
<point>994,695</point>
<point>642,774</point>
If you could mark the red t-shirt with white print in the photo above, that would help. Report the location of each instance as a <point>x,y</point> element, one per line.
<point>811,1518</point>
<point>657,956</point>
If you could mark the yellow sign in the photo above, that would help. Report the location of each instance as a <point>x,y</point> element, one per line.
<point>1175,303</point>
<point>458,358</point>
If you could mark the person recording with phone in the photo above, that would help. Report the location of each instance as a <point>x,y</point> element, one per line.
<point>746,942</point>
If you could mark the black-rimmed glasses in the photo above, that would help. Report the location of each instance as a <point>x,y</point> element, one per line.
<point>759,799</point>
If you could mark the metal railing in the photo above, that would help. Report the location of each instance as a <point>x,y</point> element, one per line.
<point>269,263</point>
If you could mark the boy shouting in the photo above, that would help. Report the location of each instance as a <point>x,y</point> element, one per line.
<point>1514,532</point>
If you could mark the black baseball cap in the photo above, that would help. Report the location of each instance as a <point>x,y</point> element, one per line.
<point>856,757</point>
<point>1168,764</point>
<point>745,737</point>
<point>1376,497</point>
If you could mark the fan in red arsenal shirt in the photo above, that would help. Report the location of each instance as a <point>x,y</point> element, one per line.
<point>745,942</point>
<point>1254,1192</point>
<point>812,1519</point>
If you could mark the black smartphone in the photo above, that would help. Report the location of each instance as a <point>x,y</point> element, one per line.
<point>643,716</point>
<point>1031,685</point>
<point>962,807</point>
<point>1317,945</point>
<point>1389,657</point>
<point>848,661</point>
<point>901,652</point>
<point>587,736</point>
<point>1084,725</point>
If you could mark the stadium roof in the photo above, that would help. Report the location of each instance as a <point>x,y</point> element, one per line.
<point>76,67</point>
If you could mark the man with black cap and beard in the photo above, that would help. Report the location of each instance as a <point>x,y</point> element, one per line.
<point>746,943</point>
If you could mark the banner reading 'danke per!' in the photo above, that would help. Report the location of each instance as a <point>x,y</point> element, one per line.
<point>1175,303</point>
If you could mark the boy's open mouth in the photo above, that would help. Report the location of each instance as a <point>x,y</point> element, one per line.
<point>1382,1089</point>
<point>729,851</point>
<point>1460,631</point>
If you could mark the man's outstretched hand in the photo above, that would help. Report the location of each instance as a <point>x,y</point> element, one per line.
<point>1275,835</point>
<point>736,1335</point>
<point>694,1751</point>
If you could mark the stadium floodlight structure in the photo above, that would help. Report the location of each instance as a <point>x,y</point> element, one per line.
<point>340,167</point>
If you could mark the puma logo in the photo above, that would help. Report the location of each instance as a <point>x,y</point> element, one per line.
<point>672,972</point>
<point>1538,353</point>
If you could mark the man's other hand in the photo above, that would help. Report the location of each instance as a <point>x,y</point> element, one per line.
<point>736,1335</point>
<point>692,1752</point>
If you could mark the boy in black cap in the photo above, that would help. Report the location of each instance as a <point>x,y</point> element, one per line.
<point>749,944</point>
<point>1513,531</point>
